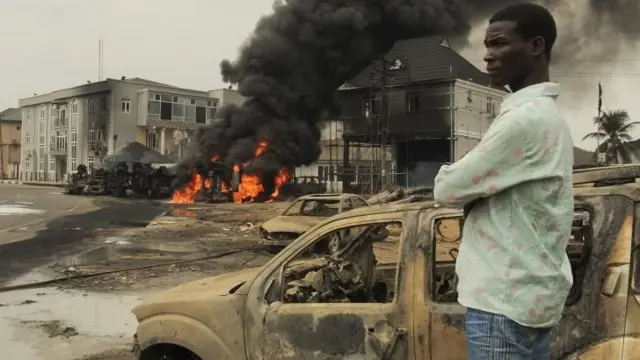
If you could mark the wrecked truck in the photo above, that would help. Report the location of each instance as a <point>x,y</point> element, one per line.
<point>379,283</point>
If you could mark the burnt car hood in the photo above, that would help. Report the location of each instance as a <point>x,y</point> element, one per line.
<point>292,224</point>
<point>198,298</point>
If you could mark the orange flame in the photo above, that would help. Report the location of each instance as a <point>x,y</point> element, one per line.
<point>249,187</point>
<point>189,193</point>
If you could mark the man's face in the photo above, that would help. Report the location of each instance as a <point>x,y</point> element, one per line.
<point>509,57</point>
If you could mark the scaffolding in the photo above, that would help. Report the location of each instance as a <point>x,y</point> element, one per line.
<point>370,164</point>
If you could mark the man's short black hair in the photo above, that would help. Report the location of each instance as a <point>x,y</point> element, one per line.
<point>532,20</point>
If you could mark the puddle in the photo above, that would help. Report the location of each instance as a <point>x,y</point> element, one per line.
<point>94,256</point>
<point>180,212</point>
<point>8,210</point>
<point>45,323</point>
<point>122,250</point>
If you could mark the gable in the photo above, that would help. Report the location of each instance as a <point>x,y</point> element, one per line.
<point>420,60</point>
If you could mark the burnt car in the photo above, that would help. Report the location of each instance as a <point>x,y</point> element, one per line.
<point>347,290</point>
<point>304,213</point>
<point>303,185</point>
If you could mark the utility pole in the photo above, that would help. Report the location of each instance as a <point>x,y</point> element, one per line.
<point>599,125</point>
<point>1,150</point>
<point>384,120</point>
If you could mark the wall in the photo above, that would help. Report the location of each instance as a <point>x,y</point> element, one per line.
<point>475,108</point>
<point>11,134</point>
<point>227,96</point>
<point>432,117</point>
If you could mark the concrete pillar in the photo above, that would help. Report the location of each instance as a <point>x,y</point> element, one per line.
<point>162,141</point>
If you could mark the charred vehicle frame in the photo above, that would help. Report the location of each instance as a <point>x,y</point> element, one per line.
<point>357,307</point>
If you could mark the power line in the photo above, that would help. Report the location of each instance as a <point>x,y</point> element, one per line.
<point>601,75</point>
<point>580,61</point>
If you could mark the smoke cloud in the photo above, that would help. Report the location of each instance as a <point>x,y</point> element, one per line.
<point>296,58</point>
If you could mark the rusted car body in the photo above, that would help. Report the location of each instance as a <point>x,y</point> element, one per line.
<point>304,213</point>
<point>246,315</point>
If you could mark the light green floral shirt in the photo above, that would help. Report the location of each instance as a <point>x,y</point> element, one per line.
<point>512,258</point>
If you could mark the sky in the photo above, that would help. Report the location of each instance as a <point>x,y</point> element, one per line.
<point>53,44</point>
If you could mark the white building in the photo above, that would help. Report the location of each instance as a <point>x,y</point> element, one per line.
<point>78,125</point>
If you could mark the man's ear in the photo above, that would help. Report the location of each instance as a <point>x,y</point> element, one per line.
<point>537,46</point>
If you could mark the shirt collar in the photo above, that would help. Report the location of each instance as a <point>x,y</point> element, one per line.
<point>529,93</point>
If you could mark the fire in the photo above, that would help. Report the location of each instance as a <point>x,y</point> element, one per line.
<point>249,186</point>
<point>189,193</point>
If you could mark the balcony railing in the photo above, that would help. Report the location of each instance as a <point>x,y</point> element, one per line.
<point>62,122</point>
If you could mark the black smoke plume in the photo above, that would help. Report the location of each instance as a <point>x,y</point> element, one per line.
<point>297,57</point>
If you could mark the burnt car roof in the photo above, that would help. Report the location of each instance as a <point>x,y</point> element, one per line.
<point>328,196</point>
<point>608,175</point>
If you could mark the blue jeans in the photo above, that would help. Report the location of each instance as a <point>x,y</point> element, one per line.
<point>495,337</point>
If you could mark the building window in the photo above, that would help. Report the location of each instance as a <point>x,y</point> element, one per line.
<point>41,160</point>
<point>169,107</point>
<point>74,107</point>
<point>92,106</point>
<point>491,107</point>
<point>27,139</point>
<point>126,106</point>
<point>43,111</point>
<point>62,118</point>
<point>103,104</point>
<point>413,102</point>
<point>370,107</point>
<point>152,139</point>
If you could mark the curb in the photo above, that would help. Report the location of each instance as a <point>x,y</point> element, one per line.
<point>32,183</point>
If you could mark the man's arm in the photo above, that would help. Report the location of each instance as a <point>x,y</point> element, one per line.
<point>508,155</point>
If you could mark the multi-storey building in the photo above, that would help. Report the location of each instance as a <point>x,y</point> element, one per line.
<point>423,103</point>
<point>10,125</point>
<point>79,125</point>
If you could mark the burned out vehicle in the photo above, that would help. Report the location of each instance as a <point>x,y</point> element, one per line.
<point>303,214</point>
<point>348,290</point>
<point>77,182</point>
<point>303,185</point>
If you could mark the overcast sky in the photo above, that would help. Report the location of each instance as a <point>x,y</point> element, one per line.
<point>52,44</point>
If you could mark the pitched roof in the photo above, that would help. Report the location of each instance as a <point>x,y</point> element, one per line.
<point>420,60</point>
<point>583,157</point>
<point>136,152</point>
<point>11,114</point>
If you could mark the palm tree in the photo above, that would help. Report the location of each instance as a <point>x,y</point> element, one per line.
<point>614,127</point>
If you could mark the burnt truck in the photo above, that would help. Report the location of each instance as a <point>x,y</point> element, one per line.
<point>345,289</point>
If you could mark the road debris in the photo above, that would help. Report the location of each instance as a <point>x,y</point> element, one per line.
<point>53,328</point>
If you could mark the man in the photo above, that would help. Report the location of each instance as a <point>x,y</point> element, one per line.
<point>516,189</point>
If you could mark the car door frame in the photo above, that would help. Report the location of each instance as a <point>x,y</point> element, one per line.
<point>383,323</point>
<point>446,320</point>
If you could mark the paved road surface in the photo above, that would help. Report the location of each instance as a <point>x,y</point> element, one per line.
<point>40,225</point>
<point>26,209</point>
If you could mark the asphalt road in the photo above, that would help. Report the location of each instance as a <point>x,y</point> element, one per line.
<point>40,225</point>
<point>24,210</point>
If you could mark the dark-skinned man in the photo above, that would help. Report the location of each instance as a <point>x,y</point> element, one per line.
<point>516,189</point>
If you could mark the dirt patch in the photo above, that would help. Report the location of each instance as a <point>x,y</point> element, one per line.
<point>116,354</point>
<point>201,231</point>
<point>53,328</point>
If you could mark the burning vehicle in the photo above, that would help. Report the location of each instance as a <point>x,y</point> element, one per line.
<point>305,213</point>
<point>379,283</point>
<point>303,185</point>
<point>214,180</point>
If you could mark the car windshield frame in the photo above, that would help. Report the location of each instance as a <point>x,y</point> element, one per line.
<point>300,203</point>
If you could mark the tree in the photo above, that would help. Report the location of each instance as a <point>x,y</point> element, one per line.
<point>614,127</point>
